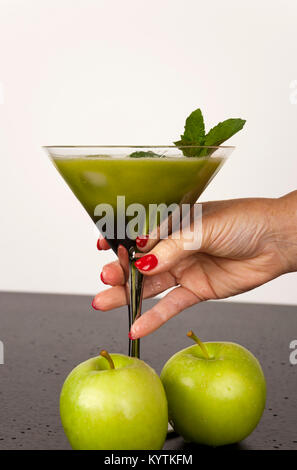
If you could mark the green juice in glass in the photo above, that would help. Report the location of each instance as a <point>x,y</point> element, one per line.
<point>98,179</point>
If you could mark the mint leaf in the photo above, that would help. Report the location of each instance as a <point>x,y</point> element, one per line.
<point>223,131</point>
<point>143,154</point>
<point>194,134</point>
<point>194,128</point>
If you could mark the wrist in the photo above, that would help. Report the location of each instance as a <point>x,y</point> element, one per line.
<point>284,228</point>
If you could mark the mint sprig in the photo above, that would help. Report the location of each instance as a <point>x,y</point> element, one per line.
<point>194,134</point>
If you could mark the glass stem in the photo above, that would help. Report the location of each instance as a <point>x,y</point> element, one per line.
<point>135,302</point>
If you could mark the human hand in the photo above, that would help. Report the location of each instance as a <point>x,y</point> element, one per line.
<point>245,243</point>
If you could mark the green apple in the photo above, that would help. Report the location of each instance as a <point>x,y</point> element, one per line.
<point>114,402</point>
<point>216,392</point>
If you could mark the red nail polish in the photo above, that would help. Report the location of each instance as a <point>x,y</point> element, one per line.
<point>130,336</point>
<point>101,277</point>
<point>142,240</point>
<point>146,263</point>
<point>98,244</point>
<point>93,304</point>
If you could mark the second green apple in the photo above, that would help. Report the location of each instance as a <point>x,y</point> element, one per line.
<point>216,392</point>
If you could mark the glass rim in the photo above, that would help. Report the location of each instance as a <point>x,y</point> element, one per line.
<point>48,147</point>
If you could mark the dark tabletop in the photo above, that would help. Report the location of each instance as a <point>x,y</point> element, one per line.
<point>45,336</point>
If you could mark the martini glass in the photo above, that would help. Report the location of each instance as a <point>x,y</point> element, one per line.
<point>113,182</point>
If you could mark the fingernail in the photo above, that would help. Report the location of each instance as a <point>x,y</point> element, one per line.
<point>146,263</point>
<point>101,277</point>
<point>142,240</point>
<point>130,336</point>
<point>98,244</point>
<point>93,304</point>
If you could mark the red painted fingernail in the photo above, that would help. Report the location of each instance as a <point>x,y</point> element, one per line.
<point>101,277</point>
<point>141,241</point>
<point>130,336</point>
<point>93,304</point>
<point>146,263</point>
<point>98,244</point>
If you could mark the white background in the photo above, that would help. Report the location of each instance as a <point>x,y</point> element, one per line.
<point>129,72</point>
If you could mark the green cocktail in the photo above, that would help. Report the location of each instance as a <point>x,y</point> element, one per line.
<point>113,183</point>
<point>99,179</point>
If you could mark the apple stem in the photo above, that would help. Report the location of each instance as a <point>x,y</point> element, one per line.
<point>106,356</point>
<point>195,338</point>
